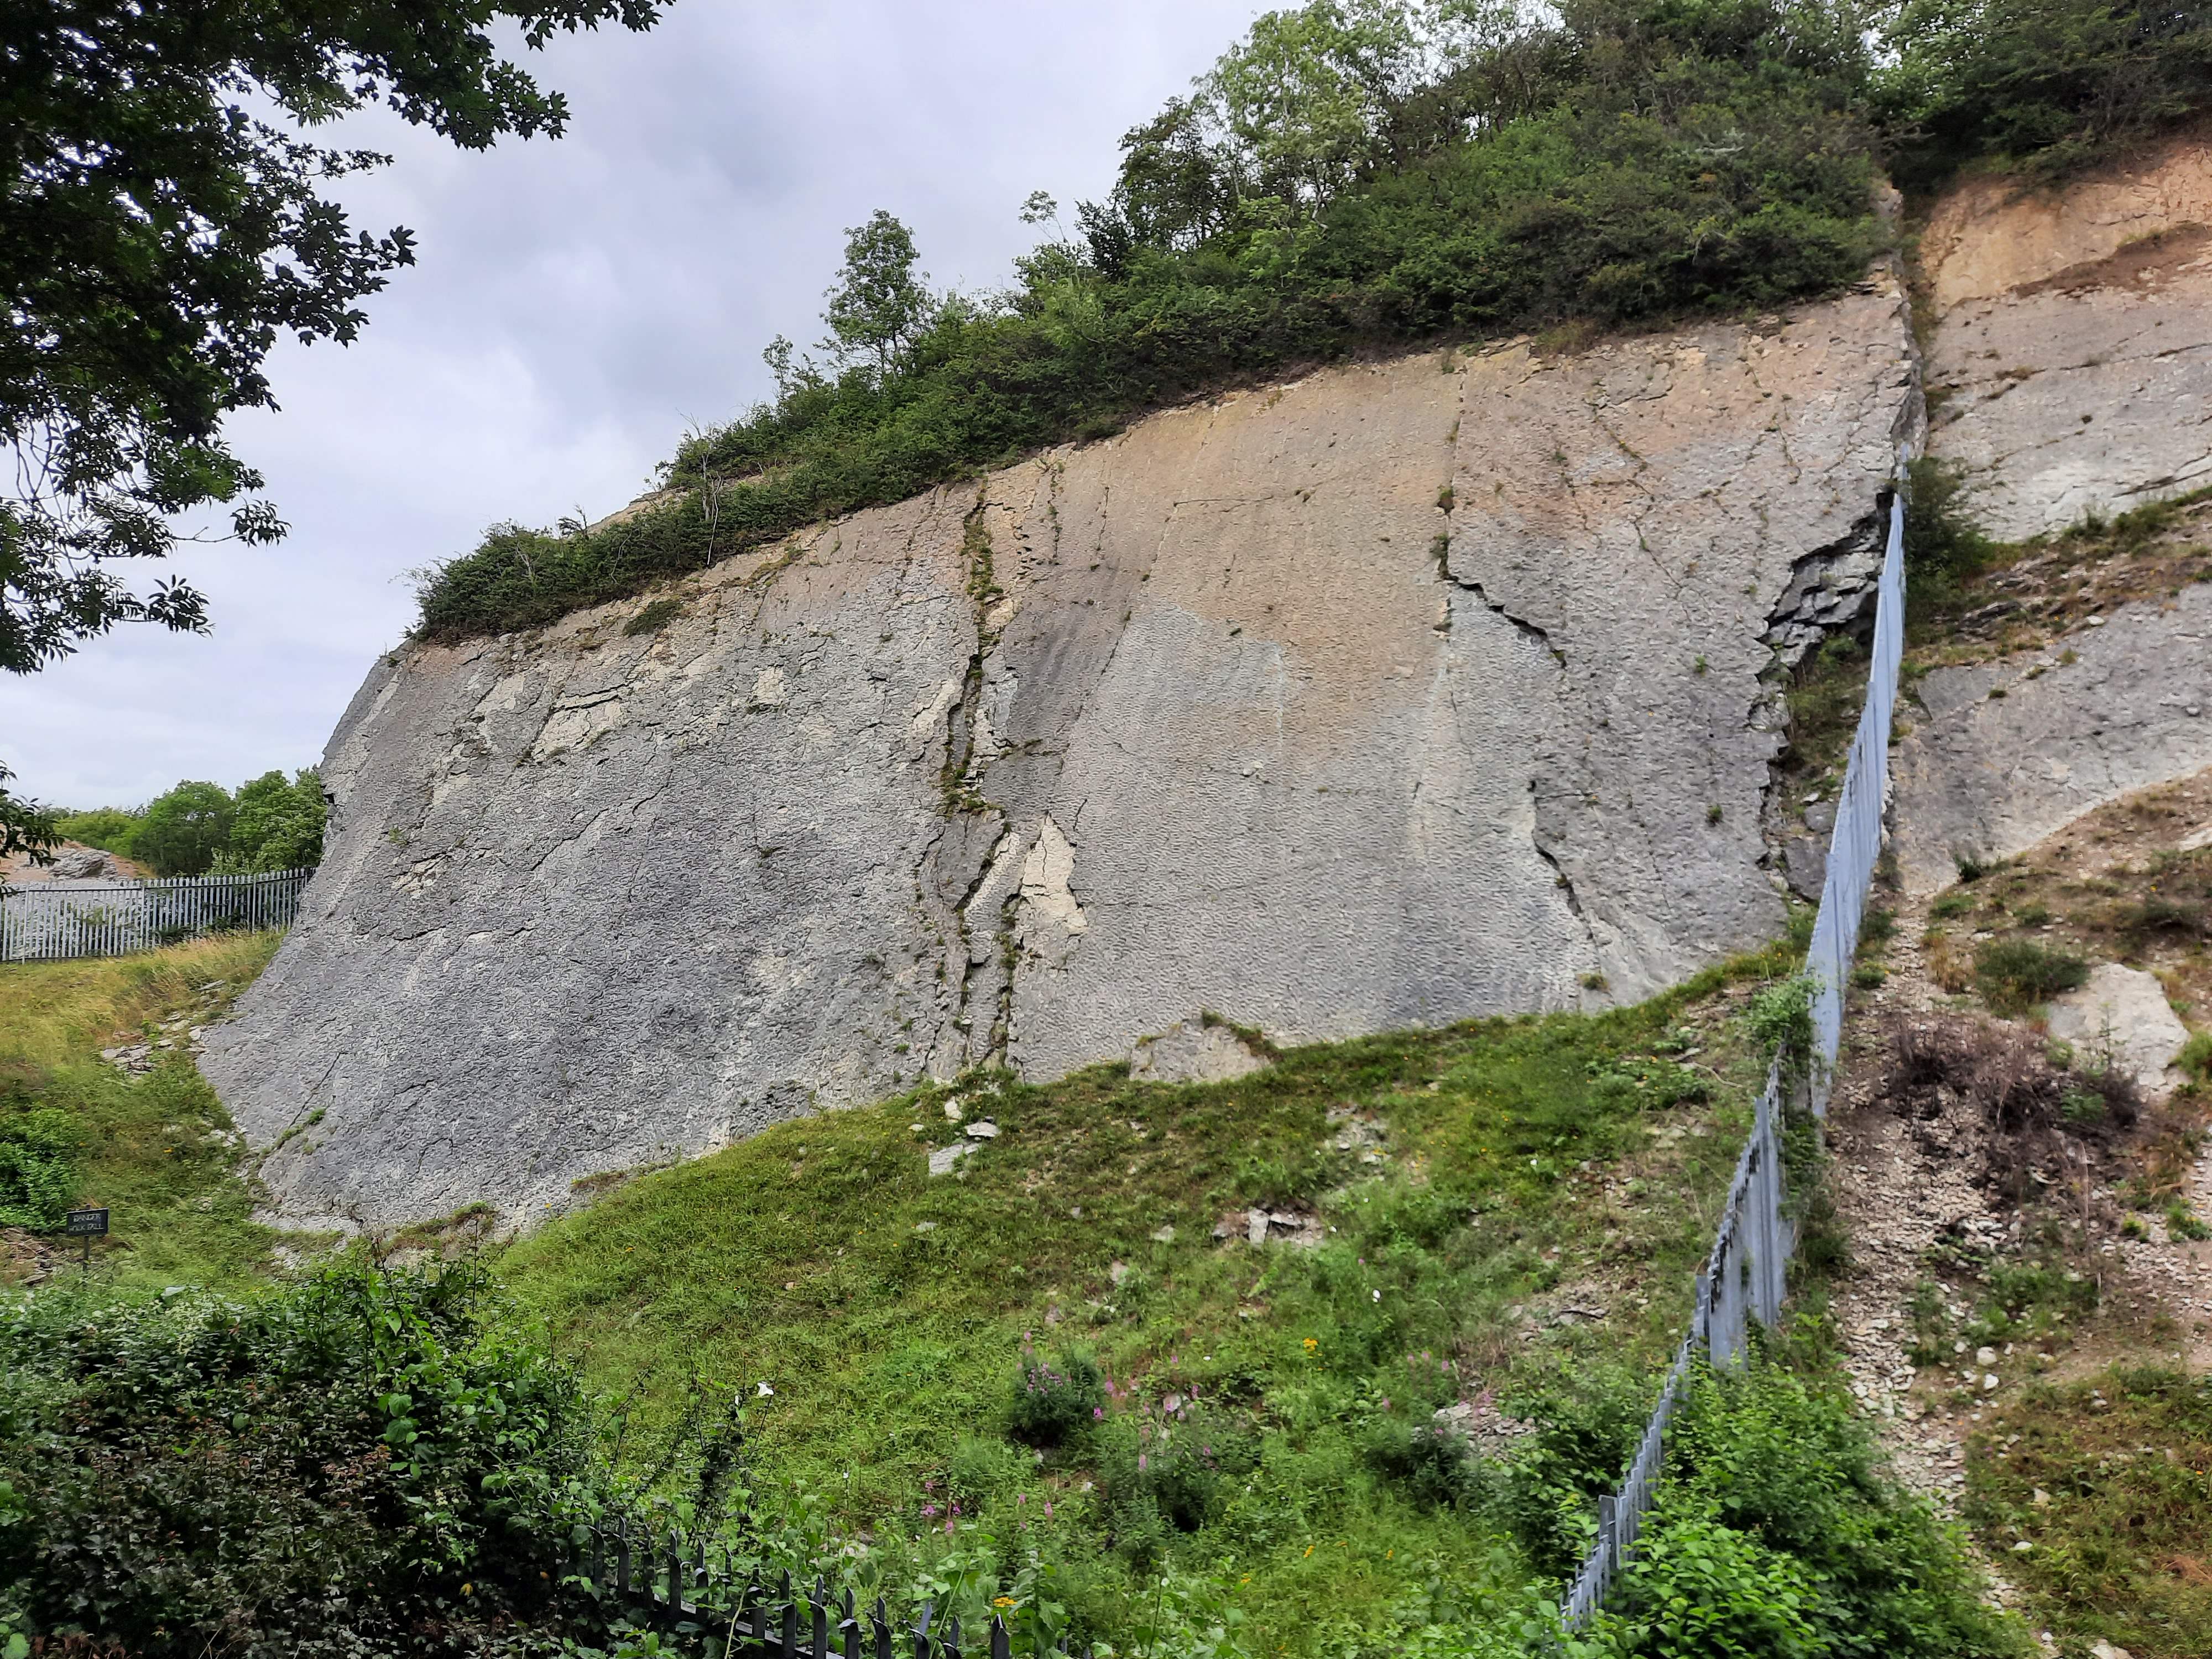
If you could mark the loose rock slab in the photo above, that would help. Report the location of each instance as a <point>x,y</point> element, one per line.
<point>2123,1012</point>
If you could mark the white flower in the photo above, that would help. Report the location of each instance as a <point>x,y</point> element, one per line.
<point>764,1391</point>
<point>1377,1295</point>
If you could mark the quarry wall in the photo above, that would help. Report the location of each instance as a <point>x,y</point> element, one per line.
<point>1402,693</point>
<point>2070,372</point>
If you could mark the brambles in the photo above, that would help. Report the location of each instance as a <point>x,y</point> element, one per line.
<point>326,1468</point>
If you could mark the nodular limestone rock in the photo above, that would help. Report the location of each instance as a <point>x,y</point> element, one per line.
<point>1395,694</point>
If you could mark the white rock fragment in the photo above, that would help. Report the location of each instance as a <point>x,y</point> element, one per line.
<point>944,1159</point>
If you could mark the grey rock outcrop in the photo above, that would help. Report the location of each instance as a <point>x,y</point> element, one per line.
<point>1989,775</point>
<point>2070,366</point>
<point>1395,694</point>
<point>2122,1016</point>
<point>2092,301</point>
<point>1194,1052</point>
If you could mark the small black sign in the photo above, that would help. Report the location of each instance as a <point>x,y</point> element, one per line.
<point>87,1223</point>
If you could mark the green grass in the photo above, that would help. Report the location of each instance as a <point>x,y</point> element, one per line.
<point>152,1148</point>
<point>1529,1163</point>
<point>2120,1550</point>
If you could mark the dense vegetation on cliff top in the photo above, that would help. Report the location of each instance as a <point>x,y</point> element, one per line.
<point>1368,174</point>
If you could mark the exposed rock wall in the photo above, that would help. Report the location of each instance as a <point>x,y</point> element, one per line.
<point>2002,753</point>
<point>2070,369</point>
<point>1396,695</point>
<point>2070,365</point>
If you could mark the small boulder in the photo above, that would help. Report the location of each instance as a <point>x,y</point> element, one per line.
<point>943,1160</point>
<point>1194,1052</point>
<point>84,863</point>
<point>2125,1011</point>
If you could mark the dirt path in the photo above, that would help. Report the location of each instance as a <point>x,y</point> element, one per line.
<point>1900,1187</point>
<point>1906,1188</point>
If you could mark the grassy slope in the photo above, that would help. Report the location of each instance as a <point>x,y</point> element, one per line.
<point>1526,1169</point>
<point>152,1147</point>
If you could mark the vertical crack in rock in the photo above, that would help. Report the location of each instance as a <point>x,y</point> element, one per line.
<point>1831,589</point>
<point>970,747</point>
<point>1566,881</point>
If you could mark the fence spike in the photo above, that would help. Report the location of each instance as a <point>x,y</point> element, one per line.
<point>819,1604</point>
<point>790,1632</point>
<point>881,1619</point>
<point>1002,1643</point>
<point>950,1646</point>
<point>848,1629</point>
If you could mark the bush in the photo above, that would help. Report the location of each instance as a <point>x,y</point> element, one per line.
<point>365,1463</point>
<point>1580,1451</point>
<point>38,1166</point>
<point>2015,974</point>
<point>2049,85</point>
<point>111,828</point>
<point>1056,1400</point>
<point>1171,1468</point>
<point>1777,1535</point>
<point>276,824</point>
<point>1701,1590</point>
<point>1436,1469</point>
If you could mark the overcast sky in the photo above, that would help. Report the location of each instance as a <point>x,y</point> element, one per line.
<point>575,305</point>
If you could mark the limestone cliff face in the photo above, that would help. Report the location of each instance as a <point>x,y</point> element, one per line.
<point>1396,695</point>
<point>2070,371</point>
<point>2070,366</point>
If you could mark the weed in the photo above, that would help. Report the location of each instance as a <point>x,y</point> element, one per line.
<point>2105,1483</point>
<point>2016,974</point>
<point>654,616</point>
<point>2183,1223</point>
<point>1056,1399</point>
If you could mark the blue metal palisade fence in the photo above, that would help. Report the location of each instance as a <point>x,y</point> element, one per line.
<point>52,921</point>
<point>1743,1277</point>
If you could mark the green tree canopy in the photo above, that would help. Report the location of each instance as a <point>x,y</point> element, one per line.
<point>878,302</point>
<point>163,224</point>
<point>276,824</point>
<point>184,830</point>
<point>159,232</point>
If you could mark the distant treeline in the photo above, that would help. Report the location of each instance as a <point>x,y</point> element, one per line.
<point>270,823</point>
<point>1368,175</point>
